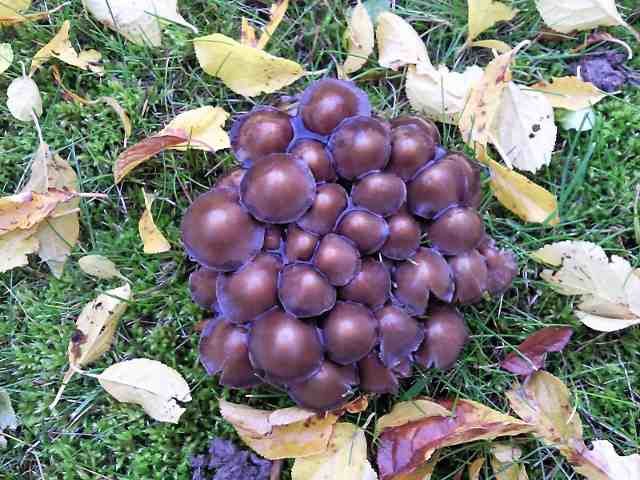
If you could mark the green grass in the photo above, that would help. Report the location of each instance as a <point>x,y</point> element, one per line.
<point>91,435</point>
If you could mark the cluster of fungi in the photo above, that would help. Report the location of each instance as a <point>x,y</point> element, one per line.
<point>333,256</point>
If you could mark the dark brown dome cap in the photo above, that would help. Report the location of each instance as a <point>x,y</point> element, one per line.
<point>316,156</point>
<point>231,179</point>
<point>426,125</point>
<point>404,236</point>
<point>338,258</point>
<point>327,102</point>
<point>364,228</point>
<point>436,187</point>
<point>202,285</point>
<point>349,331</point>
<point>411,149</point>
<point>218,233</point>
<point>371,286</point>
<point>445,336</point>
<point>262,131</point>
<point>273,238</point>
<point>328,389</point>
<point>502,266</point>
<point>331,200</point>
<point>400,335</point>
<point>456,230</point>
<point>380,192</point>
<point>304,291</point>
<point>375,377</point>
<point>299,244</point>
<point>471,276</point>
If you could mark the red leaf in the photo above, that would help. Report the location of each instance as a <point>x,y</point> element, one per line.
<point>534,349</point>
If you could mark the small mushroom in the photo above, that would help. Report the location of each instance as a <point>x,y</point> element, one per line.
<point>327,389</point>
<point>469,177</point>
<point>371,286</point>
<point>445,336</point>
<point>273,238</point>
<point>231,179</point>
<point>330,202</point>
<point>404,236</point>
<point>338,258</point>
<point>400,335</point>
<point>366,229</point>
<point>471,276</point>
<point>411,149</point>
<point>457,230</point>
<point>299,245</point>
<point>427,126</point>
<point>502,267</point>
<point>435,188</point>
<point>313,153</point>
<point>304,291</point>
<point>375,377</point>
<point>202,284</point>
<point>350,331</point>
<point>380,192</point>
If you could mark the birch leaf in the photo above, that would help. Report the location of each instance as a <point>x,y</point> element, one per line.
<point>603,463</point>
<point>15,247</point>
<point>11,7</point>
<point>203,127</point>
<point>497,45</point>
<point>152,238</point>
<point>276,14</point>
<point>360,37</point>
<point>157,388</point>
<point>484,14</point>
<point>504,461</point>
<point>23,98</point>
<point>26,210</point>
<point>570,93</point>
<point>398,43</point>
<point>99,267</point>
<point>6,56</point>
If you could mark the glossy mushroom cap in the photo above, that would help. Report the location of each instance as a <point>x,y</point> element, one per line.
<point>445,336</point>
<point>316,157</point>
<point>471,276</point>
<point>218,233</point>
<point>304,291</point>
<point>231,179</point>
<point>278,189</point>
<point>457,230</point>
<point>502,268</point>
<point>426,272</point>
<point>435,188</point>
<point>360,145</point>
<point>350,331</point>
<point>371,286</point>
<point>328,389</point>
<point>400,335</point>
<point>411,149</point>
<point>328,102</point>
<point>273,237</point>
<point>224,348</point>
<point>375,377</point>
<point>404,236</point>
<point>427,126</point>
<point>330,202</point>
<point>250,291</point>
<point>469,178</point>
<point>261,132</point>
<point>299,245</point>
<point>285,348</point>
<point>338,258</point>
<point>367,230</point>
<point>380,192</point>
<point>202,284</point>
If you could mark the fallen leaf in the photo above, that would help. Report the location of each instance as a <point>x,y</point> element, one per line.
<point>99,267</point>
<point>139,22</point>
<point>286,433</point>
<point>439,93</point>
<point>121,112</point>
<point>247,34</point>
<point>95,328</point>
<point>276,14</point>
<point>609,290</point>
<point>245,70</point>
<point>580,120</point>
<point>25,210</point>
<point>6,56</point>
<point>157,388</point>
<point>405,412</point>
<point>23,99</point>
<point>497,45</point>
<point>603,463</point>
<point>524,130</point>
<point>15,247</point>
<point>152,238</point>
<point>404,448</point>
<point>504,461</point>
<point>424,472</point>
<point>8,418</point>
<point>360,37</point>
<point>570,93</point>
<point>60,47</point>
<point>475,468</point>
<point>11,7</point>
<point>484,14</point>
<point>398,43</point>
<point>564,17</point>
<point>203,127</point>
<point>344,459</point>
<point>531,353</point>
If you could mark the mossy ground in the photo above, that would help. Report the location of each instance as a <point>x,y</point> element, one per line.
<point>91,435</point>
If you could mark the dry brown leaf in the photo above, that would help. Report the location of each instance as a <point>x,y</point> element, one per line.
<point>121,112</point>
<point>23,99</point>
<point>26,210</point>
<point>497,45</point>
<point>361,39</point>
<point>152,238</point>
<point>15,247</point>
<point>504,461</point>
<point>203,127</point>
<point>398,43</point>
<point>475,468</point>
<point>276,15</point>
<point>484,14</point>
<point>569,93</point>
<point>247,34</point>
<point>99,267</point>
<point>245,70</point>
<point>531,353</point>
<point>286,433</point>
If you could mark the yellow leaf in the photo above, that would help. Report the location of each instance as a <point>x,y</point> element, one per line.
<point>344,459</point>
<point>484,14</point>
<point>286,433</point>
<point>99,267</point>
<point>121,112</point>
<point>11,7</point>
<point>26,210</point>
<point>405,412</point>
<point>360,36</point>
<point>475,468</point>
<point>504,461</point>
<point>23,99</point>
<point>203,127</point>
<point>398,43</point>
<point>15,246</point>
<point>570,93</point>
<point>157,388</point>
<point>277,12</point>
<point>247,34</point>
<point>498,45</point>
<point>603,463</point>
<point>152,238</point>
<point>6,56</point>
<point>424,472</point>
<point>245,70</point>
<point>60,47</point>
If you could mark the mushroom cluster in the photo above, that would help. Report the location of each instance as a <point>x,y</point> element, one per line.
<point>331,258</point>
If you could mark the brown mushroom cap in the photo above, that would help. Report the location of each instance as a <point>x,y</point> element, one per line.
<point>304,291</point>
<point>338,258</point>
<point>313,153</point>
<point>411,149</point>
<point>367,230</point>
<point>350,331</point>
<point>299,245</point>
<point>263,131</point>
<point>445,336</point>
<point>202,284</point>
<point>457,230</point>
<point>360,145</point>
<point>272,237</point>
<point>328,389</point>
<point>371,286</point>
<point>250,291</point>
<point>404,236</point>
<point>400,335</point>
<point>502,267</point>
<point>218,233</point>
<point>375,377</point>
<point>284,347</point>
<point>471,276</point>
<point>427,126</point>
<point>278,189</point>
<point>231,179</point>
<point>330,202</point>
<point>435,188</point>
<point>380,192</point>
<point>469,178</point>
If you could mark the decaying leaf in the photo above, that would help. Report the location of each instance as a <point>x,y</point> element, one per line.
<point>26,210</point>
<point>139,22</point>
<point>504,461</point>
<point>405,412</point>
<point>245,70</point>
<point>603,463</point>
<point>569,93</point>
<point>8,418</point>
<point>609,289</point>
<point>247,34</point>
<point>23,99</point>
<point>565,16</point>
<point>497,45</point>
<point>398,43</point>
<point>6,56</point>
<point>424,472</point>
<point>286,433</point>
<point>524,130</point>
<point>94,332</point>
<point>60,47</point>
<point>484,14</point>
<point>360,37</point>
<point>157,388</point>
<point>475,468</point>
<point>276,15</point>
<point>15,247</point>
<point>531,353</point>
<point>439,93</point>
<point>121,112</point>
<point>203,127</point>
<point>99,267</point>
<point>403,448</point>
<point>152,238</point>
<point>344,459</point>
